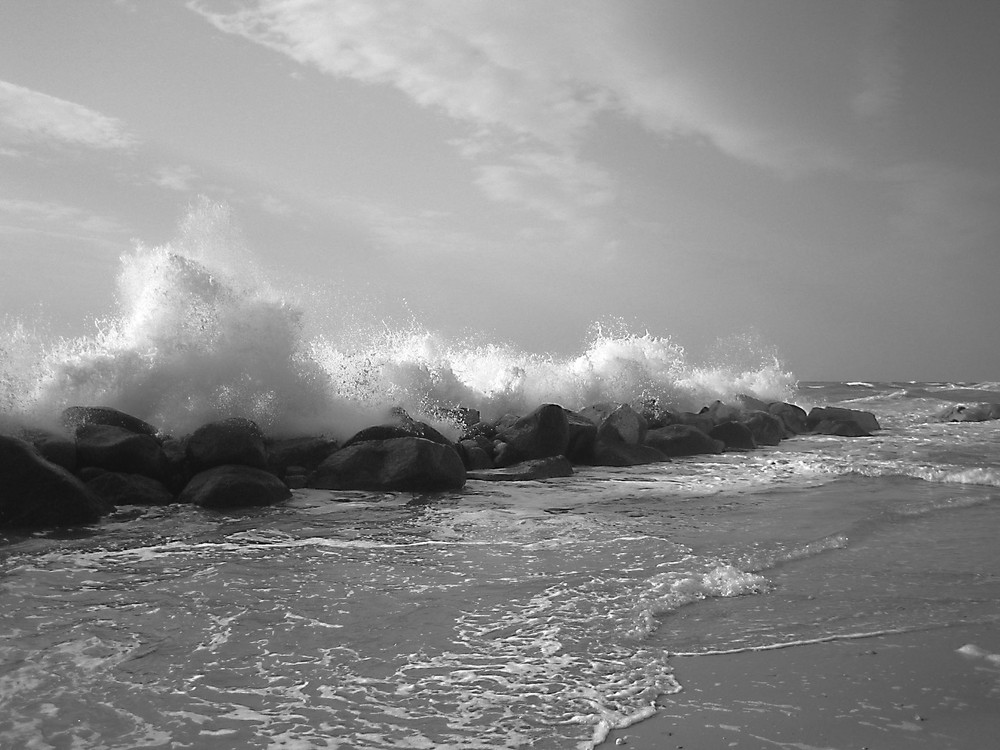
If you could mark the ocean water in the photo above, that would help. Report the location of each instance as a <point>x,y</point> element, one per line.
<point>523,614</point>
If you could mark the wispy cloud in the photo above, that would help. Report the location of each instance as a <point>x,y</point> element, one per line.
<point>28,115</point>
<point>538,77</point>
<point>55,218</point>
<point>179,177</point>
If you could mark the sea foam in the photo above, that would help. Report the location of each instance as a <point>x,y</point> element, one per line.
<point>200,332</point>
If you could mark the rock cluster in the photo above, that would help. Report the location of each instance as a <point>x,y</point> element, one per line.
<point>106,458</point>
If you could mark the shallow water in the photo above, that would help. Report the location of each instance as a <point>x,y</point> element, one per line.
<point>513,615</point>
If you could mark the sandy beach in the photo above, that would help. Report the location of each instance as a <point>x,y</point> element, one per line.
<point>927,689</point>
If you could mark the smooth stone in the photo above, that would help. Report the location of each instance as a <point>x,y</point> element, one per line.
<point>117,449</point>
<point>736,436</point>
<point>683,440</point>
<point>234,486</point>
<point>225,442</point>
<point>398,464</point>
<point>37,493</point>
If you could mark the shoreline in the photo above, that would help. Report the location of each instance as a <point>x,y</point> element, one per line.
<point>936,688</point>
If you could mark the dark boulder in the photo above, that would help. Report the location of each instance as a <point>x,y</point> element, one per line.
<point>625,454</point>
<point>229,441</point>
<point>56,447</point>
<point>702,421</point>
<point>865,420</point>
<point>792,416</point>
<point>304,452</point>
<point>234,486</point>
<point>623,425</point>
<point>582,436</point>
<point>719,412</point>
<point>398,464</point>
<point>540,434</point>
<point>74,417</point>
<point>401,424</point>
<point>534,470</point>
<point>683,440</point>
<point>736,435</point>
<point>116,488</point>
<point>118,449</point>
<point>473,455</point>
<point>766,428</point>
<point>36,493</point>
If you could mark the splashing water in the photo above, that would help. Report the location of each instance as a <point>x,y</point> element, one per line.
<point>201,333</point>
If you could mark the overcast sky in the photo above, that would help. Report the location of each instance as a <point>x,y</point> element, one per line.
<point>827,173</point>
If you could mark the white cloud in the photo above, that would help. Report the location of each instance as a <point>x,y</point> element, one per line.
<point>51,217</point>
<point>180,177</point>
<point>33,116</point>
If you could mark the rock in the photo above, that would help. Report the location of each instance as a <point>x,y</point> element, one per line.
<point>866,420</point>
<point>234,486</point>
<point>792,416</point>
<point>118,449</point>
<point>582,436</point>
<point>702,421</point>
<point>841,427</point>
<point>597,413</point>
<point>74,417</point>
<point>116,488</point>
<point>540,434</point>
<point>766,428</point>
<point>682,440</point>
<point>736,435</point>
<point>536,469</point>
<point>623,425</point>
<point>306,452</point>
<point>656,416</point>
<point>401,424</point>
<point>751,403</point>
<point>981,412</point>
<point>398,464</point>
<point>55,447</point>
<point>233,441</point>
<point>36,493</point>
<point>625,454</point>
<point>719,412</point>
<point>473,456</point>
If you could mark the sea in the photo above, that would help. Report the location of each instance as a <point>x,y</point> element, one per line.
<point>505,615</point>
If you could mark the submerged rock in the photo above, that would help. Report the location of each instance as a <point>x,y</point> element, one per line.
<point>865,420</point>
<point>537,469</point>
<point>624,454</point>
<point>398,464</point>
<point>683,440</point>
<point>234,486</point>
<point>36,493</point>
<point>234,441</point>
<point>840,427</point>
<point>980,412</point>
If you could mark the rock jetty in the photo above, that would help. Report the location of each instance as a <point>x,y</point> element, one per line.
<point>103,458</point>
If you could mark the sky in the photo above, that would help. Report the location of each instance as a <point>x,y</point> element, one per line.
<point>824,174</point>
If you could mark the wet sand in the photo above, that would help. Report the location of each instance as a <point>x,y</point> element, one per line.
<point>935,689</point>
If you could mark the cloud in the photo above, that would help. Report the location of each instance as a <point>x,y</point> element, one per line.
<point>57,219</point>
<point>555,185</point>
<point>27,115</point>
<point>180,177</point>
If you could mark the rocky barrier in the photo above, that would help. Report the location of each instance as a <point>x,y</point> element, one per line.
<point>103,458</point>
